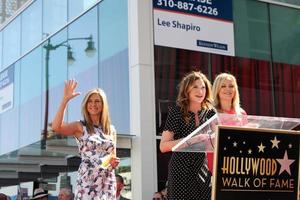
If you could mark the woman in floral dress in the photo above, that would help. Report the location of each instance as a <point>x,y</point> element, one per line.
<point>96,139</point>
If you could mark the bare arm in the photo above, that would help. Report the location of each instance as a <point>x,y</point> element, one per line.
<point>114,138</point>
<point>58,126</point>
<point>114,160</point>
<point>167,141</point>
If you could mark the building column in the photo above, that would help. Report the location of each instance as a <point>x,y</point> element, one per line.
<point>142,99</point>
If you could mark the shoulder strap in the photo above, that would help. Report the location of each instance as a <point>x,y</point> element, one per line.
<point>83,122</point>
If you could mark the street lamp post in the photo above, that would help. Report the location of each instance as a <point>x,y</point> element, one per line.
<point>90,51</point>
<point>45,130</point>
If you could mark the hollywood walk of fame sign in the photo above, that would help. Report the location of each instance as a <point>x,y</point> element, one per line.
<point>252,163</point>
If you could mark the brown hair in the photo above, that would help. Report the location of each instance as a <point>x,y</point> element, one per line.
<point>183,94</point>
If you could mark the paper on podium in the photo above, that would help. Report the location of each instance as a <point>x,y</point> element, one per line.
<point>201,139</point>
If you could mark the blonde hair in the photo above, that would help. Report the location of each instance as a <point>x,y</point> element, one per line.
<point>183,94</point>
<point>104,118</point>
<point>219,80</point>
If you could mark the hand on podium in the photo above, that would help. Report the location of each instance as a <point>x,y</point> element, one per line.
<point>202,137</point>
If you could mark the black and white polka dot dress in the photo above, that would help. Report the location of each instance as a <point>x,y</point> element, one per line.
<point>188,175</point>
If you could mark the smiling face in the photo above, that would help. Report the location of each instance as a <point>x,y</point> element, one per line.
<point>227,90</point>
<point>94,104</point>
<point>197,92</point>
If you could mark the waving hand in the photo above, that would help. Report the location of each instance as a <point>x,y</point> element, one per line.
<point>69,91</point>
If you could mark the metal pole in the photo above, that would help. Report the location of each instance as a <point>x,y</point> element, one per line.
<point>45,131</point>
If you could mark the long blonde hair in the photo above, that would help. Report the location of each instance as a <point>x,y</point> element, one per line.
<point>183,95</point>
<point>219,80</point>
<point>104,118</point>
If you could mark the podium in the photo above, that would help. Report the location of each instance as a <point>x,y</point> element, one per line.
<point>251,157</point>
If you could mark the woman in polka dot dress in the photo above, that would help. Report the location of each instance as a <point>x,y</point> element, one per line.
<point>96,139</point>
<point>188,176</point>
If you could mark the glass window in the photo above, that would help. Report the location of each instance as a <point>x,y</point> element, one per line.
<point>56,67</point>
<point>287,93</point>
<point>30,97</point>
<point>7,129</point>
<point>77,7</point>
<point>113,30</point>
<point>83,40</point>
<point>1,48</point>
<point>254,82</point>
<point>285,33</point>
<point>251,29</point>
<point>54,16</point>
<point>293,2</point>
<point>31,26</point>
<point>11,42</point>
<point>113,60</point>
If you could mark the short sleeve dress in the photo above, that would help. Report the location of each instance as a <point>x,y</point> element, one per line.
<point>188,174</point>
<point>94,181</point>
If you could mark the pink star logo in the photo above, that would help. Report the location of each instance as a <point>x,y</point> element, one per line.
<point>285,164</point>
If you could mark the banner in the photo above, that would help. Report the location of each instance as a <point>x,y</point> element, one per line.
<point>6,89</point>
<point>199,25</point>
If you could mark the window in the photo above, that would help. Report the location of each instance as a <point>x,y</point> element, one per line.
<point>285,33</point>
<point>113,60</point>
<point>251,29</point>
<point>54,16</point>
<point>11,42</point>
<point>31,26</point>
<point>30,101</point>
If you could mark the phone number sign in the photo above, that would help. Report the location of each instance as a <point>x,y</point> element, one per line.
<point>200,25</point>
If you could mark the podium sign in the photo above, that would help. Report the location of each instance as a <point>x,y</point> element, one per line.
<point>253,163</point>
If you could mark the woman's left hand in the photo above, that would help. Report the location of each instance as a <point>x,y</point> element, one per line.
<point>114,162</point>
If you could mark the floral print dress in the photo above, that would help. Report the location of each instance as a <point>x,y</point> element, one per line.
<point>95,181</point>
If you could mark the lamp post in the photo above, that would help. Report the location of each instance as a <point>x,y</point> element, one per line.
<point>90,51</point>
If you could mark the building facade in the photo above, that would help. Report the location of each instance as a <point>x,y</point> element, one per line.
<point>109,44</point>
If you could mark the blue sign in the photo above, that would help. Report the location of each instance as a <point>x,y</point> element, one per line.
<point>6,89</point>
